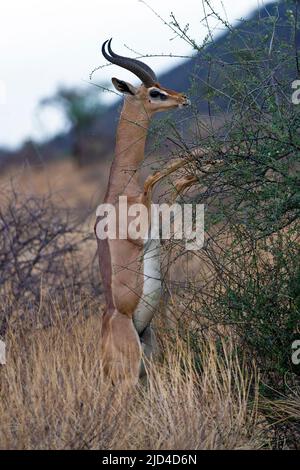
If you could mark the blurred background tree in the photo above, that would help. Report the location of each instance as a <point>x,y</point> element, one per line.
<point>81,108</point>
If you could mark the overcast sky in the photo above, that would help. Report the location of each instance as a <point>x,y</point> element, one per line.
<point>44,44</point>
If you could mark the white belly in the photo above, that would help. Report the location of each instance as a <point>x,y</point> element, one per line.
<point>152,286</point>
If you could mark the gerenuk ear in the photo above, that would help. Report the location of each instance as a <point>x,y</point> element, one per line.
<point>124,87</point>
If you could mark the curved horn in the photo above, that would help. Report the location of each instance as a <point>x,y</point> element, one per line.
<point>141,70</point>
<point>137,62</point>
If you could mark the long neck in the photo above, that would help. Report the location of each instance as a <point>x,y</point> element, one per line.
<point>130,149</point>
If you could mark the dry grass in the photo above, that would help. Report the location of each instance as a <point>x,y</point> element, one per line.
<point>53,396</point>
<point>81,189</point>
<point>52,392</point>
<point>284,414</point>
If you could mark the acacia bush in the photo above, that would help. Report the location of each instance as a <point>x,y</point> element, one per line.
<point>40,257</point>
<point>252,130</point>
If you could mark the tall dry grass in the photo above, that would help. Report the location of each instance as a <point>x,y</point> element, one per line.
<point>284,415</point>
<point>53,395</point>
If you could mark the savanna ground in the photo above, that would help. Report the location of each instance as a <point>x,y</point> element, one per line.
<point>52,390</point>
<point>224,378</point>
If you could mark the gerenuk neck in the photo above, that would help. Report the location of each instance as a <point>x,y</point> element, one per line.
<point>129,151</point>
